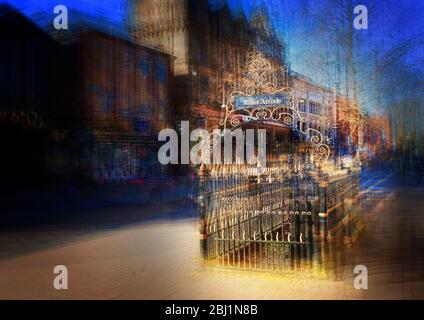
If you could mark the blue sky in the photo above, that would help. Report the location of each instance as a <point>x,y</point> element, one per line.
<point>391,23</point>
<point>399,19</point>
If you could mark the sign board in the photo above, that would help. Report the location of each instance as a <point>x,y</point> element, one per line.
<point>260,101</point>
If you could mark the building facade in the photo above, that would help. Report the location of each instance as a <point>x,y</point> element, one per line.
<point>31,92</point>
<point>123,90</point>
<point>86,107</point>
<point>377,138</point>
<point>348,124</point>
<point>316,106</point>
<point>211,50</point>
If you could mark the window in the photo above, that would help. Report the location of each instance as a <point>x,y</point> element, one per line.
<point>142,122</point>
<point>302,106</point>
<point>162,70</point>
<point>144,111</point>
<point>145,66</point>
<point>314,107</point>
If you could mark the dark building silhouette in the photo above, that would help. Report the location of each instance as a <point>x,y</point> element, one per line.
<point>86,107</point>
<point>32,97</point>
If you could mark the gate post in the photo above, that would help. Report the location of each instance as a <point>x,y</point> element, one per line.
<point>203,205</point>
<point>323,214</point>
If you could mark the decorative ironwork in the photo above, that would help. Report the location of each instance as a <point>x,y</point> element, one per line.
<point>258,82</point>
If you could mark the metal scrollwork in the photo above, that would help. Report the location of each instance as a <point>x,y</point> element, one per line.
<point>258,82</point>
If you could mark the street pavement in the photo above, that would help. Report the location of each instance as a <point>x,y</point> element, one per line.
<point>160,259</point>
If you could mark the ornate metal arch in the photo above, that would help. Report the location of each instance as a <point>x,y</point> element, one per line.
<point>258,82</point>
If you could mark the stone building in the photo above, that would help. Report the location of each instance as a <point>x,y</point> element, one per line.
<point>123,104</point>
<point>348,123</point>
<point>210,48</point>
<point>316,106</point>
